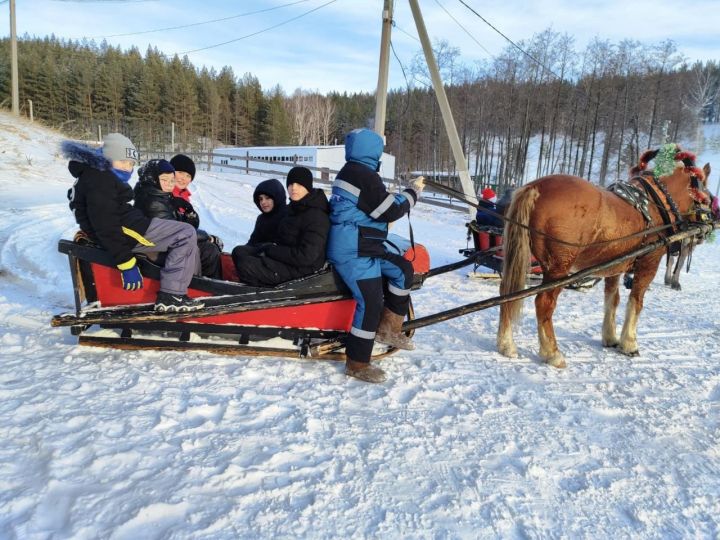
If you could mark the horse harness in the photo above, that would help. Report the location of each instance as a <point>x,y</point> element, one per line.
<point>639,197</point>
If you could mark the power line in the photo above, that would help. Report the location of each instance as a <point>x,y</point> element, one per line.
<point>463,28</point>
<point>199,23</point>
<point>404,32</point>
<point>530,56</point>
<point>259,31</point>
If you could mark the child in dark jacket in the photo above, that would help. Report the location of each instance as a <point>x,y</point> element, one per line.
<point>154,197</point>
<point>269,197</point>
<point>211,246</point>
<point>299,245</point>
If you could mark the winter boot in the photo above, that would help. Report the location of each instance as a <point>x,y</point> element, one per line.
<point>167,302</point>
<point>389,331</point>
<point>364,371</point>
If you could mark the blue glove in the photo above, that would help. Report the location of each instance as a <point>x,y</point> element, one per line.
<point>132,279</point>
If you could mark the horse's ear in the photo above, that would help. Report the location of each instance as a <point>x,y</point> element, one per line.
<point>706,170</point>
<point>645,158</point>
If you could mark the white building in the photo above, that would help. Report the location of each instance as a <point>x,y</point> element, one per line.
<point>323,161</point>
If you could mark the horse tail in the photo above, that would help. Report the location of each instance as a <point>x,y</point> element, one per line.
<point>516,245</point>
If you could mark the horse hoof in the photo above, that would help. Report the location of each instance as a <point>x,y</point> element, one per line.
<point>632,353</point>
<point>557,362</point>
<point>507,348</point>
<point>676,287</point>
<point>509,352</point>
<point>611,344</point>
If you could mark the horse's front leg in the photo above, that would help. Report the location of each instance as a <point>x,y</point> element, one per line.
<point>643,276</point>
<point>669,269</point>
<point>545,303</point>
<point>684,251</point>
<point>612,299</point>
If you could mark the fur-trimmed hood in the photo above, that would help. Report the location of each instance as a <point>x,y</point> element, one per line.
<point>82,155</point>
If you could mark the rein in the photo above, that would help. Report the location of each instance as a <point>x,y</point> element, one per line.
<point>461,197</point>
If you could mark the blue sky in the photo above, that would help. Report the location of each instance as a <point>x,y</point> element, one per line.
<point>336,47</point>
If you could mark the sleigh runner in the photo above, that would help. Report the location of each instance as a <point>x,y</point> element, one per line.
<point>314,312</point>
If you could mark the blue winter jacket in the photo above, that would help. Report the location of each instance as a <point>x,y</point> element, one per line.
<point>360,206</point>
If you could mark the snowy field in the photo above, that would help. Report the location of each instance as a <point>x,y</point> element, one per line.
<point>459,443</point>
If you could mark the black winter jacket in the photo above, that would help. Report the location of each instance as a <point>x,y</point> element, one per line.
<point>266,225</point>
<point>149,196</point>
<point>302,234</point>
<point>100,202</point>
<point>156,203</point>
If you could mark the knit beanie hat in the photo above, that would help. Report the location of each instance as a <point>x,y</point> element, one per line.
<point>164,166</point>
<point>302,176</point>
<point>182,163</point>
<point>117,147</point>
<point>488,194</point>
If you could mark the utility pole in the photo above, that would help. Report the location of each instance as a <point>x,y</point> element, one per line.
<point>381,95</point>
<point>447,116</point>
<point>14,62</point>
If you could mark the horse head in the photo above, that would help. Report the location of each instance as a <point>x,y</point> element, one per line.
<point>686,183</point>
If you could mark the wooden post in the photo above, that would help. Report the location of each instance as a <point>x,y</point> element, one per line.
<point>30,110</point>
<point>381,94</point>
<point>14,62</point>
<point>458,154</point>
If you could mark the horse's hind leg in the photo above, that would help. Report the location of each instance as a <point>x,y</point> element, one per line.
<point>505,342</point>
<point>545,303</point>
<point>612,299</point>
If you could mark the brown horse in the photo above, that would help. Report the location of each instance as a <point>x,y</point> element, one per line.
<point>570,224</point>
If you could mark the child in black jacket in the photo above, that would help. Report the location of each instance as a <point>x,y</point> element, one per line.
<point>269,197</point>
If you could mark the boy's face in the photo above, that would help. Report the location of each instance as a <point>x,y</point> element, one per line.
<point>167,182</point>
<point>182,179</point>
<point>126,165</point>
<point>297,191</point>
<point>266,203</point>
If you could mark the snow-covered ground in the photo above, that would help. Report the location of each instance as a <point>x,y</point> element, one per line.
<point>459,443</point>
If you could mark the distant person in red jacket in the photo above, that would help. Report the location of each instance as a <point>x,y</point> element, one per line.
<point>488,202</point>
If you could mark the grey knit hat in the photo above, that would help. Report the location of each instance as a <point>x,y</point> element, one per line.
<point>117,147</point>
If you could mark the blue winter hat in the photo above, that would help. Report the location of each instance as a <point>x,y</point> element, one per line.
<point>364,146</point>
<point>164,166</point>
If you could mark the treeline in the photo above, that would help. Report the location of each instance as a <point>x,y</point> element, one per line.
<point>547,108</point>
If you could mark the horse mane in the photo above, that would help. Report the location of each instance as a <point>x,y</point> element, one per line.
<point>680,156</point>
